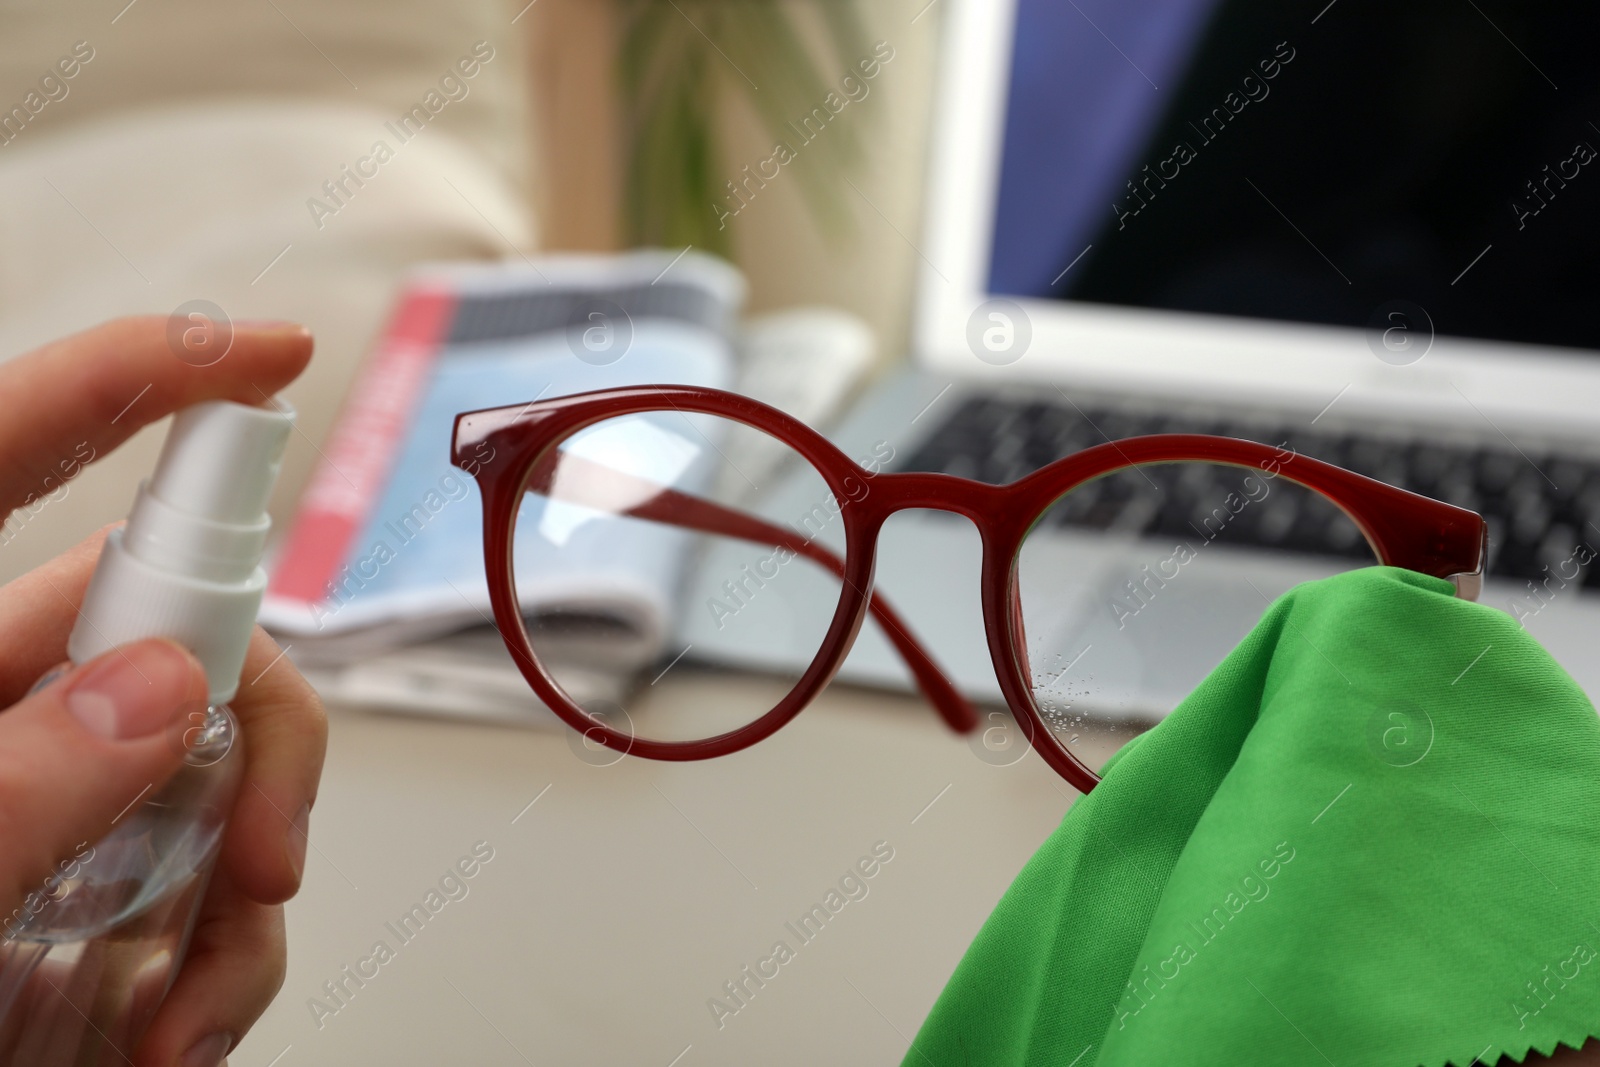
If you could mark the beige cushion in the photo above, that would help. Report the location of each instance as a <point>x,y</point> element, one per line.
<point>384,56</point>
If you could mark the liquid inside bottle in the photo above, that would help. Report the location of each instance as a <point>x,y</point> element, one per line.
<point>88,957</point>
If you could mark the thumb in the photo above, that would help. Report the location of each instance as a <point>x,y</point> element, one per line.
<point>75,754</point>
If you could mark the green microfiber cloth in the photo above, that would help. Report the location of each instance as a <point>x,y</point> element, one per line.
<point>1371,838</point>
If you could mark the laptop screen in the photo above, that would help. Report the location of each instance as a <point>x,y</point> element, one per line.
<point>1308,163</point>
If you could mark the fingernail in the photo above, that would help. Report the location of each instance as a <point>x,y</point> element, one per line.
<point>297,840</point>
<point>208,1051</point>
<point>132,692</point>
<point>50,677</point>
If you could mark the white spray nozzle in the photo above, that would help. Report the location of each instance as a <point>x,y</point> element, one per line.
<point>187,566</point>
<point>220,460</point>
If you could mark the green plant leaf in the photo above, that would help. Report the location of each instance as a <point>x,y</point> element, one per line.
<point>676,61</point>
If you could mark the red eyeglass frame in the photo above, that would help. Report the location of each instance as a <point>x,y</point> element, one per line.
<point>1404,529</point>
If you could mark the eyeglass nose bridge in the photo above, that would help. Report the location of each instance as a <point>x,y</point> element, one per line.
<point>979,502</point>
<point>1001,516</point>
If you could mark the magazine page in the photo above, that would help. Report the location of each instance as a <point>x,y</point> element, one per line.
<point>386,549</point>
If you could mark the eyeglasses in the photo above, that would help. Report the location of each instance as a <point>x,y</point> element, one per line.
<point>618,537</point>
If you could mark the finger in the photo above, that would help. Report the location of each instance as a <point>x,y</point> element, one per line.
<point>284,725</point>
<point>76,754</point>
<point>37,613</point>
<point>235,967</point>
<point>286,737</point>
<point>78,398</point>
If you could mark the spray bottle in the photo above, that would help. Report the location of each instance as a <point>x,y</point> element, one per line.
<point>110,928</point>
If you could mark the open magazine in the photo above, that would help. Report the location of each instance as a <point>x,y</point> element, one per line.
<point>379,586</point>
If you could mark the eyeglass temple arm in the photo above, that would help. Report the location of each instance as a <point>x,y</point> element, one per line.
<point>584,481</point>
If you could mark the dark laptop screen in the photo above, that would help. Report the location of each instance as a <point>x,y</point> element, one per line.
<point>1309,162</point>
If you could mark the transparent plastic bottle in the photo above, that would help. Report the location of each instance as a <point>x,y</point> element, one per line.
<point>83,971</point>
<point>89,957</point>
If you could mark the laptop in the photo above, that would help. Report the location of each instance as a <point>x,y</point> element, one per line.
<point>1361,233</point>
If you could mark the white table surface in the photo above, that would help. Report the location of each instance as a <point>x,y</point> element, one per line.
<point>617,905</point>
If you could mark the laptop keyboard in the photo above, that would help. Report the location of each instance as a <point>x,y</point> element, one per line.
<point>1540,509</point>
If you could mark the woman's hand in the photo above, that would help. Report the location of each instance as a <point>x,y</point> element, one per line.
<point>74,754</point>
